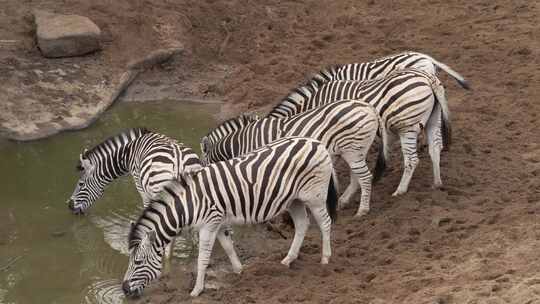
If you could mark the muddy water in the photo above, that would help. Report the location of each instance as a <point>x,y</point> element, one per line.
<point>48,255</point>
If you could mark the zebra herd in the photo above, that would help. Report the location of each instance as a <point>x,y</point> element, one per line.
<point>252,169</point>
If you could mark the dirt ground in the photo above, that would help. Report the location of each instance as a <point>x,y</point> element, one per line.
<point>475,241</point>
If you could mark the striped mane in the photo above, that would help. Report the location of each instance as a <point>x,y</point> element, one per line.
<point>310,85</point>
<point>125,137</point>
<point>235,123</point>
<point>144,223</point>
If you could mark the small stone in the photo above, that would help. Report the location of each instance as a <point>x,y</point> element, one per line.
<point>440,221</point>
<point>65,35</point>
<point>370,277</point>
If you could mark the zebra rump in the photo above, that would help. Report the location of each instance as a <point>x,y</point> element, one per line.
<point>407,100</point>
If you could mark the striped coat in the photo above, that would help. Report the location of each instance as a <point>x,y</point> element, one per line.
<point>347,128</point>
<point>289,174</point>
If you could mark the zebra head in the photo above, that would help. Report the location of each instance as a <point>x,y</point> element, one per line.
<point>89,187</point>
<point>145,263</point>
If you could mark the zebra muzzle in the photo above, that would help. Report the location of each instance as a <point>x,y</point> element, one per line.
<point>126,288</point>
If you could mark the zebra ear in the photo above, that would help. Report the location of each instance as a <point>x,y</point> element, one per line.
<point>204,144</point>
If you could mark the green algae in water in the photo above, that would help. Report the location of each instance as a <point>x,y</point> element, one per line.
<point>63,258</point>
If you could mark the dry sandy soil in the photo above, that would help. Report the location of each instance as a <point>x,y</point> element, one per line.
<point>475,241</point>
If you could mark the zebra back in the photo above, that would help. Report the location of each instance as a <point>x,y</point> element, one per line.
<point>339,125</point>
<point>254,187</point>
<point>383,66</point>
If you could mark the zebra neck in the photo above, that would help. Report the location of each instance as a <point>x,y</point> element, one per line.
<point>127,158</point>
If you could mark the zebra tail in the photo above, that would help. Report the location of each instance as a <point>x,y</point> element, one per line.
<point>446,128</point>
<point>382,156</point>
<point>332,198</point>
<point>460,79</point>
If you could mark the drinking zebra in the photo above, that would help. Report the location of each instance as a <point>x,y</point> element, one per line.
<point>288,174</point>
<point>381,67</point>
<point>407,100</point>
<point>347,128</point>
<point>152,159</point>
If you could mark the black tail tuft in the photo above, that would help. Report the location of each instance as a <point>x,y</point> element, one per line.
<point>446,131</point>
<point>331,200</point>
<point>380,166</point>
<point>464,84</point>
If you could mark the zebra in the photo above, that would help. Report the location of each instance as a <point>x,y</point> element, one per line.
<point>381,67</point>
<point>407,100</point>
<point>287,174</point>
<point>152,159</point>
<point>347,128</point>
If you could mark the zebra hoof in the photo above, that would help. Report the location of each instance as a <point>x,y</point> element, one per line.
<point>287,261</point>
<point>237,269</point>
<point>437,186</point>
<point>399,192</point>
<point>196,291</point>
<point>361,212</point>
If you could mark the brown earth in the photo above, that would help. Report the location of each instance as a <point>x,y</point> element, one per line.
<point>475,241</point>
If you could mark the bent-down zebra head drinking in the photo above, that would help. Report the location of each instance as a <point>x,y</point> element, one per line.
<point>289,174</point>
<point>151,158</point>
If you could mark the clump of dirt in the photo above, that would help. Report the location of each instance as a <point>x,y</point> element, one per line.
<point>475,241</point>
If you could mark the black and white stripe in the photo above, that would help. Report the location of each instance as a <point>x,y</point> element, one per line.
<point>347,128</point>
<point>151,158</point>
<point>289,174</point>
<point>383,66</point>
<point>407,100</point>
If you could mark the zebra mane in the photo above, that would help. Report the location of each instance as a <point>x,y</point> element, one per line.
<point>129,134</point>
<point>235,123</point>
<point>311,84</point>
<point>327,74</point>
<point>143,224</point>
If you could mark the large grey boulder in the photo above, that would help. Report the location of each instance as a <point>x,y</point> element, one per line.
<point>65,35</point>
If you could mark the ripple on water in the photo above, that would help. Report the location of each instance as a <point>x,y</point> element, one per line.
<point>108,291</point>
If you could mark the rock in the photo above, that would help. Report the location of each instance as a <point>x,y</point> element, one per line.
<point>439,221</point>
<point>65,35</point>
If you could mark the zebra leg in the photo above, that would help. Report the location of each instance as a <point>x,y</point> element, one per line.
<point>346,198</point>
<point>298,213</point>
<point>168,256</point>
<point>207,237</point>
<point>225,239</point>
<point>320,214</point>
<point>408,148</point>
<point>360,175</point>
<point>435,144</point>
